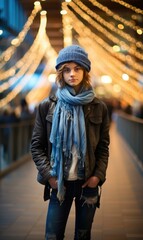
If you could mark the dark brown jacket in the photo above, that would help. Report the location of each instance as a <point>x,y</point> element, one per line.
<point>97,131</point>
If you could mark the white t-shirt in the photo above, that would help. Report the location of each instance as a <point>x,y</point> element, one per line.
<point>73,170</point>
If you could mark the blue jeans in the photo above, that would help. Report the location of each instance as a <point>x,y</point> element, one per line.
<point>85,206</point>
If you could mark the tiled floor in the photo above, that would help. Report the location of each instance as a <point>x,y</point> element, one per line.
<point>23,211</point>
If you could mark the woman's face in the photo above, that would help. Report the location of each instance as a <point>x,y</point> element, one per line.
<point>73,75</point>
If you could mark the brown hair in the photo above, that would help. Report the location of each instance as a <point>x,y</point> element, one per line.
<point>60,80</point>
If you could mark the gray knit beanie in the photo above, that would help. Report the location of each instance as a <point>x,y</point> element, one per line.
<point>73,53</point>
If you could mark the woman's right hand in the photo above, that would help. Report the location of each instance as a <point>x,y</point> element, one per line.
<point>53,182</point>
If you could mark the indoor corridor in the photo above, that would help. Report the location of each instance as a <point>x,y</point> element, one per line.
<point>120,217</point>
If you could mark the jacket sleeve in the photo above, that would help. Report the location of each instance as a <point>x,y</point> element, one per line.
<point>39,144</point>
<point>102,150</point>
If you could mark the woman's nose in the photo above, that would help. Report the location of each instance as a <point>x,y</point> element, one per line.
<point>72,72</point>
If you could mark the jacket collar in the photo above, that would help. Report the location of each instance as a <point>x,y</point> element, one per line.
<point>53,98</point>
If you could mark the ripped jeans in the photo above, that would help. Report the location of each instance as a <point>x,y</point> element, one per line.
<point>85,206</point>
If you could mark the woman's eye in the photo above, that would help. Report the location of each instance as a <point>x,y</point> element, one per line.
<point>67,70</point>
<point>77,68</point>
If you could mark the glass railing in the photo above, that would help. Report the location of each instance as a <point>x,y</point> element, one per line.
<point>131,129</point>
<point>15,141</point>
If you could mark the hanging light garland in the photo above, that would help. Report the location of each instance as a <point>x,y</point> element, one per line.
<point>108,35</point>
<point>7,54</point>
<point>87,38</point>
<point>51,54</point>
<point>126,59</point>
<point>67,30</point>
<point>131,72</point>
<point>109,25</point>
<point>111,68</point>
<point>28,58</point>
<point>26,78</point>
<point>40,49</point>
<point>25,59</point>
<point>82,30</point>
<point>105,67</point>
<point>36,59</point>
<point>115,16</point>
<point>127,92</point>
<point>25,66</point>
<point>129,6</point>
<point>116,64</point>
<point>35,95</point>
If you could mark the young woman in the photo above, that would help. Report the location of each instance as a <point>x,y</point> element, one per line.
<point>70,146</point>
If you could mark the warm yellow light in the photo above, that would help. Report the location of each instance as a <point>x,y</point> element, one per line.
<point>117,88</point>
<point>100,90</point>
<point>15,41</point>
<point>125,77</point>
<point>63,12</point>
<point>139,31</point>
<point>134,17</point>
<point>68,40</point>
<point>52,77</point>
<point>37,3</point>
<point>68,26</point>
<point>106,79</point>
<point>120,26</point>
<point>43,13</point>
<point>67,1</point>
<point>116,48</point>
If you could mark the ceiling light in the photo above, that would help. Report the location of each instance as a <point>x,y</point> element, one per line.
<point>63,12</point>
<point>125,77</point>
<point>106,79</point>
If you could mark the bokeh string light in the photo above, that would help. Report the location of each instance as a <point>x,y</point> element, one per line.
<point>40,48</point>
<point>87,38</point>
<point>127,5</point>
<point>115,16</point>
<point>127,59</point>
<point>26,78</point>
<point>16,42</point>
<point>109,25</point>
<point>36,93</point>
<point>111,69</point>
<point>43,87</point>
<point>106,33</point>
<point>24,63</point>
<point>105,60</point>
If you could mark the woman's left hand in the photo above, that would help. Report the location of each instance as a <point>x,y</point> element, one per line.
<point>91,182</point>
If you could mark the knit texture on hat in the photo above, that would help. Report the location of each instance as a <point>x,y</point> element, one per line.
<point>73,53</point>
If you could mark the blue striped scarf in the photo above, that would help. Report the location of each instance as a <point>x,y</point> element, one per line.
<point>68,129</point>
